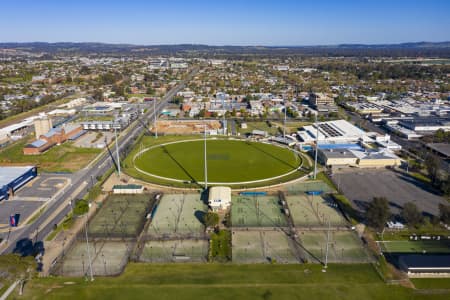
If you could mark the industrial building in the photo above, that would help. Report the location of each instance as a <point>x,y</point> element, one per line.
<point>42,126</point>
<point>53,137</point>
<point>12,178</point>
<point>219,198</point>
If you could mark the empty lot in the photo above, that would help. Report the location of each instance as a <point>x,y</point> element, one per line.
<point>361,186</point>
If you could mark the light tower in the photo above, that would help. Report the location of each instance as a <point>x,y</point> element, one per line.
<point>154,118</point>
<point>117,150</point>
<point>206,162</point>
<point>317,148</point>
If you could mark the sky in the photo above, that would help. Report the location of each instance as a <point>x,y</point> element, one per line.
<point>230,22</point>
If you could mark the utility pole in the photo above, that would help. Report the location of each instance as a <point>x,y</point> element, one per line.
<point>317,149</point>
<point>206,164</point>
<point>117,151</point>
<point>154,117</point>
<point>87,245</point>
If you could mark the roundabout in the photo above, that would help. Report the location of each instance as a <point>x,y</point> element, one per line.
<point>229,162</point>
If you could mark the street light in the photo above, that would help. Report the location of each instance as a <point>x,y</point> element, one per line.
<point>87,245</point>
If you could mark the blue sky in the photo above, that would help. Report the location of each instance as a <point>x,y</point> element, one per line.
<point>231,22</point>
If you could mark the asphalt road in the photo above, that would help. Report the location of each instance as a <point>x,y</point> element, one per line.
<point>86,177</point>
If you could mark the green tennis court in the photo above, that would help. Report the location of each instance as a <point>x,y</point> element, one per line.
<point>257,211</point>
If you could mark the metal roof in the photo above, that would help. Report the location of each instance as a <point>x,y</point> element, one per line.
<point>38,143</point>
<point>9,174</point>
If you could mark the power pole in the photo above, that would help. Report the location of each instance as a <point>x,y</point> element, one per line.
<point>117,151</point>
<point>206,164</point>
<point>317,149</point>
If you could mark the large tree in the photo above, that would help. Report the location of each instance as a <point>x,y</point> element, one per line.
<point>432,164</point>
<point>210,219</point>
<point>444,213</point>
<point>377,213</point>
<point>411,214</point>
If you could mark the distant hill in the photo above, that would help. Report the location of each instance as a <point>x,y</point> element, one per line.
<point>425,49</point>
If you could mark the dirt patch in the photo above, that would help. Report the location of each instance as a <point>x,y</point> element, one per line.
<point>186,126</point>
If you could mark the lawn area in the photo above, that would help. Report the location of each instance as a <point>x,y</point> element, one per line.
<point>220,246</point>
<point>442,246</point>
<point>62,158</point>
<point>257,126</point>
<point>228,161</point>
<point>219,281</point>
<point>431,283</point>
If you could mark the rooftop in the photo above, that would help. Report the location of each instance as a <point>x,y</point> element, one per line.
<point>442,148</point>
<point>8,174</point>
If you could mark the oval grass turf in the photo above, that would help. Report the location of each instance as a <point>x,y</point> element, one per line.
<point>228,161</point>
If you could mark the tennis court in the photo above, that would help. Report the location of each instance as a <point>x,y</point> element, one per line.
<point>344,247</point>
<point>314,211</point>
<point>178,215</point>
<point>257,211</point>
<point>420,246</point>
<point>308,186</point>
<point>108,258</point>
<point>121,216</point>
<point>262,247</point>
<point>175,251</point>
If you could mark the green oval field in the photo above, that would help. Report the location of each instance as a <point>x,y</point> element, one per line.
<point>228,161</point>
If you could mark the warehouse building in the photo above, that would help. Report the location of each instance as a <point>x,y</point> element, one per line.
<point>332,132</point>
<point>422,264</point>
<point>219,198</point>
<point>12,178</point>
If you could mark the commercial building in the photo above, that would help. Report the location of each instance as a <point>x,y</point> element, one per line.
<point>219,198</point>
<point>322,102</point>
<point>332,132</point>
<point>12,178</point>
<point>358,158</point>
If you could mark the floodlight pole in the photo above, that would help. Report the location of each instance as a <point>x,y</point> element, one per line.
<point>206,164</point>
<point>154,117</point>
<point>117,150</point>
<point>326,249</point>
<point>87,245</point>
<point>317,148</point>
<point>284,125</point>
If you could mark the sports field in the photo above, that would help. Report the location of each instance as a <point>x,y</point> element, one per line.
<point>178,215</point>
<point>262,247</point>
<point>175,251</point>
<point>228,282</point>
<point>228,161</point>
<point>108,258</point>
<point>344,246</point>
<point>121,216</point>
<point>421,246</point>
<point>261,211</point>
<point>314,211</point>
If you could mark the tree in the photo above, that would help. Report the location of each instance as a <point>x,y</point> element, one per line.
<point>432,164</point>
<point>81,207</point>
<point>377,213</point>
<point>210,219</point>
<point>411,214</point>
<point>444,213</point>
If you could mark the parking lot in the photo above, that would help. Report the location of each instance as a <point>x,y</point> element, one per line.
<point>42,187</point>
<point>360,186</point>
